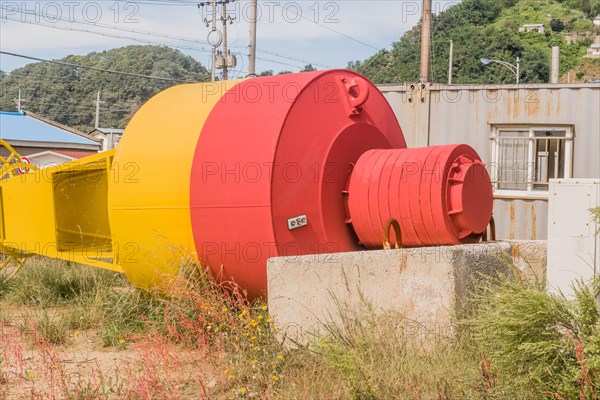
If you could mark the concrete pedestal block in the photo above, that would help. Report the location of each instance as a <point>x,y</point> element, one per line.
<point>425,285</point>
<point>531,258</point>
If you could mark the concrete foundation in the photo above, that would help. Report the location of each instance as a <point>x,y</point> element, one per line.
<point>530,257</point>
<point>427,286</point>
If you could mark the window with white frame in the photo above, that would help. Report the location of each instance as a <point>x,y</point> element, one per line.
<point>524,158</point>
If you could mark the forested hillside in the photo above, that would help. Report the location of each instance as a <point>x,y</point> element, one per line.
<point>66,94</point>
<point>490,29</point>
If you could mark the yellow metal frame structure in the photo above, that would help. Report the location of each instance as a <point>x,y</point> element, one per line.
<point>59,212</point>
<point>12,163</point>
<point>9,167</point>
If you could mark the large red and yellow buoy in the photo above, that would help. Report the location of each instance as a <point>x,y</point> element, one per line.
<point>236,172</point>
<point>231,173</point>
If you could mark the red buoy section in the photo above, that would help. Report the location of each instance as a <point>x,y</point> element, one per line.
<point>271,166</point>
<point>439,195</point>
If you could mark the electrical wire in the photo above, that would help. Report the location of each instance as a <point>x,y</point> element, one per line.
<point>64,28</point>
<point>141,32</point>
<point>331,29</point>
<point>96,68</point>
<point>149,42</point>
<point>55,17</point>
<point>72,105</point>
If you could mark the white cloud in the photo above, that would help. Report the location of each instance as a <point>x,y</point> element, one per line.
<point>320,31</point>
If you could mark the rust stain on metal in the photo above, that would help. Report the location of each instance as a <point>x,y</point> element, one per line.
<point>533,222</point>
<point>508,105</point>
<point>515,100</point>
<point>532,107</point>
<point>511,233</point>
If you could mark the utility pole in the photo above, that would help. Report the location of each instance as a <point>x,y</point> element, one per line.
<point>227,60</point>
<point>450,63</point>
<point>214,37</point>
<point>214,44</point>
<point>19,101</point>
<point>252,41</point>
<point>224,19</point>
<point>425,40</point>
<point>97,103</point>
<point>221,59</point>
<point>555,65</point>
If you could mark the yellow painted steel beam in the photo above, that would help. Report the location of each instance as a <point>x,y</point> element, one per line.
<point>59,212</point>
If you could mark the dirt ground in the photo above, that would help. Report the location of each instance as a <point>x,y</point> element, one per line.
<point>32,368</point>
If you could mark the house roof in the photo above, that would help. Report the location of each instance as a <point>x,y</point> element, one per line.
<point>74,154</point>
<point>107,131</point>
<point>29,127</point>
<point>69,155</point>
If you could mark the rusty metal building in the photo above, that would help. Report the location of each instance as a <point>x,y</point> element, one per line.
<point>525,134</point>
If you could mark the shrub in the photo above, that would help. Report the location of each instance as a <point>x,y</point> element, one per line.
<point>541,340</point>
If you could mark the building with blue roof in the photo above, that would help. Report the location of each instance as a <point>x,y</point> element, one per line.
<point>31,134</point>
<point>29,130</point>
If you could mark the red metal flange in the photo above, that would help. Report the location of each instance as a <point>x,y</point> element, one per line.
<point>468,185</point>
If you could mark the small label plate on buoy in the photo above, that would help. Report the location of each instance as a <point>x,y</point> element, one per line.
<point>297,222</point>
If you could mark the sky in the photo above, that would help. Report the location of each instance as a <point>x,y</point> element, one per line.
<point>290,34</point>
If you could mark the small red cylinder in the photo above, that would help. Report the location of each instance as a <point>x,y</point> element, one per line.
<point>440,195</point>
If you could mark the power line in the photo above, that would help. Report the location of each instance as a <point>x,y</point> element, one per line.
<point>278,62</point>
<point>64,28</point>
<point>38,89</point>
<point>55,17</point>
<point>142,32</point>
<point>66,104</point>
<point>96,69</point>
<point>291,58</point>
<point>162,2</point>
<point>330,29</point>
<point>151,42</point>
<point>193,2</point>
<point>36,79</point>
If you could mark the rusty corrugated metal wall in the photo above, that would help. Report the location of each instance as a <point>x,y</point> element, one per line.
<point>442,114</point>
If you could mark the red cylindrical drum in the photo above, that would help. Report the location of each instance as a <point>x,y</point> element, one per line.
<point>439,195</point>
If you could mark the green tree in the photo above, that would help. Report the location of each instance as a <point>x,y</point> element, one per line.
<point>481,28</point>
<point>66,94</point>
<point>594,9</point>
<point>590,7</point>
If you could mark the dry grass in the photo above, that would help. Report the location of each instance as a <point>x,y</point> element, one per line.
<point>72,332</point>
